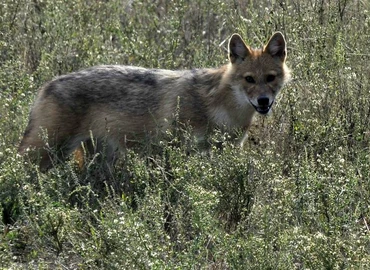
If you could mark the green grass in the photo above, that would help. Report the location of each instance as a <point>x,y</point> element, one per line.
<point>295,198</point>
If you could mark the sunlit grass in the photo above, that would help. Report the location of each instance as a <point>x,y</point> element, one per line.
<point>296,197</point>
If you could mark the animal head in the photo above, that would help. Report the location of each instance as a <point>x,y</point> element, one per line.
<point>257,75</point>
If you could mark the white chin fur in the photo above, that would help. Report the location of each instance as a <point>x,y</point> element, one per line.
<point>241,97</point>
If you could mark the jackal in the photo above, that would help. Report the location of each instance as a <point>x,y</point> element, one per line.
<point>124,103</point>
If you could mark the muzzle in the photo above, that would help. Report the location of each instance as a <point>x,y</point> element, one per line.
<point>264,105</point>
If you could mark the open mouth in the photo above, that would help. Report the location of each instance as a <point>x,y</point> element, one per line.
<point>263,109</point>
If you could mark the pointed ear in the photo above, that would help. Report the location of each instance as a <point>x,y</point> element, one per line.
<point>237,49</point>
<point>276,46</point>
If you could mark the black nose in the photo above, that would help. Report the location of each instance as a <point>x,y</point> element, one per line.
<point>263,101</point>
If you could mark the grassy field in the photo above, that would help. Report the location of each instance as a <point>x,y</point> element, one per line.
<point>297,196</point>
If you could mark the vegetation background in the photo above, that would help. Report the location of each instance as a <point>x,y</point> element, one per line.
<point>297,196</point>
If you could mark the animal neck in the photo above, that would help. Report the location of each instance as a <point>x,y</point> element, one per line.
<point>226,104</point>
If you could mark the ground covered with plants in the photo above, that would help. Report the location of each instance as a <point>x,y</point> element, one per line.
<point>296,197</point>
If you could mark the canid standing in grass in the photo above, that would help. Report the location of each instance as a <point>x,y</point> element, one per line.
<point>124,104</point>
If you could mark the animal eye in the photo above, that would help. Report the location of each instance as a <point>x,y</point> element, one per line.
<point>250,79</point>
<point>270,78</point>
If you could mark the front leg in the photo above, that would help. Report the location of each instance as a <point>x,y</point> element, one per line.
<point>243,139</point>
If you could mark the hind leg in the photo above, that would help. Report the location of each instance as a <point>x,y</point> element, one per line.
<point>102,151</point>
<point>40,156</point>
<point>34,146</point>
<point>46,155</point>
<point>48,149</point>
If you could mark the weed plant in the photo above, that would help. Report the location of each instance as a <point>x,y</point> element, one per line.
<point>296,197</point>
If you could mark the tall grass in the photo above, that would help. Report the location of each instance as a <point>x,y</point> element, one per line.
<point>297,196</point>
